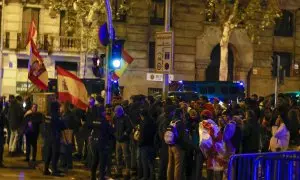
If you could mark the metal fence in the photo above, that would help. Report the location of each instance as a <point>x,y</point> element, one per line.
<point>266,166</point>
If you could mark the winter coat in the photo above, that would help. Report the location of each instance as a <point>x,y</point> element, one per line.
<point>123,128</point>
<point>280,139</point>
<point>15,115</point>
<point>212,145</point>
<point>232,137</point>
<point>33,121</point>
<point>250,136</point>
<point>147,132</point>
<point>102,132</point>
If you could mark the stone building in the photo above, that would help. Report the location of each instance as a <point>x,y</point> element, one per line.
<point>196,48</point>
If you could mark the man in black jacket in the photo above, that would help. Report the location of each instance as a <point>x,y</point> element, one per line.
<point>162,122</point>
<point>33,119</point>
<point>122,133</point>
<point>101,133</point>
<point>15,115</point>
<point>146,145</point>
<point>53,127</point>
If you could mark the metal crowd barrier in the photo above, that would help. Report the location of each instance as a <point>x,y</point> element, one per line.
<point>265,166</point>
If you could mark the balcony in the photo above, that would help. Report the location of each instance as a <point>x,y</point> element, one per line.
<point>45,42</point>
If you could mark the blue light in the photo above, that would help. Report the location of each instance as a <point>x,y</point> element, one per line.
<point>115,81</point>
<point>180,82</point>
<point>116,63</point>
<point>241,84</point>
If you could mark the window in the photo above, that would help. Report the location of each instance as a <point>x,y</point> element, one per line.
<point>224,90</point>
<point>285,62</point>
<point>154,91</point>
<point>119,14</point>
<point>151,55</point>
<point>63,30</point>
<point>29,14</point>
<point>70,66</point>
<point>158,12</point>
<point>22,63</point>
<point>211,89</point>
<point>285,25</point>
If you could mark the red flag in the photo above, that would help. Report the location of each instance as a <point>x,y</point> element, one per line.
<point>37,72</point>
<point>71,88</point>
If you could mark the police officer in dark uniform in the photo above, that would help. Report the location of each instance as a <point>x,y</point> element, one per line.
<point>101,133</point>
<point>53,128</point>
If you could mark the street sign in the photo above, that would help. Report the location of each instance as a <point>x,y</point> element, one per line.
<point>164,52</point>
<point>158,77</point>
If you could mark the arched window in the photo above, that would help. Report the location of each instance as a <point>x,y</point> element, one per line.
<point>285,25</point>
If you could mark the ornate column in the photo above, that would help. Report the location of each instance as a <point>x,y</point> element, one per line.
<point>200,69</point>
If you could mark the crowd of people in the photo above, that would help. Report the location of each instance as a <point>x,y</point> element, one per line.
<point>188,137</point>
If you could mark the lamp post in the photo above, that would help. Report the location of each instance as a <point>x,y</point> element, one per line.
<point>108,93</point>
<point>167,29</point>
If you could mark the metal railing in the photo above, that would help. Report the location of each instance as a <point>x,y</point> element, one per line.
<point>45,42</point>
<point>266,166</point>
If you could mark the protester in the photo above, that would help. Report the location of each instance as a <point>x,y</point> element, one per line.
<point>122,132</point>
<point>281,136</point>
<point>33,119</point>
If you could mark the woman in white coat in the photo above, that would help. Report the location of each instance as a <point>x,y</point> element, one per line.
<point>280,136</point>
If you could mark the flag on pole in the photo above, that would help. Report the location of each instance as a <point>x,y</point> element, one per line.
<point>126,61</point>
<point>71,88</point>
<point>37,72</point>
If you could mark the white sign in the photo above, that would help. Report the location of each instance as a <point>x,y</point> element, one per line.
<point>164,52</point>
<point>158,77</point>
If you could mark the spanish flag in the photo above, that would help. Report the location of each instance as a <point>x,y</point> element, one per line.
<point>126,61</point>
<point>71,88</point>
<point>37,72</point>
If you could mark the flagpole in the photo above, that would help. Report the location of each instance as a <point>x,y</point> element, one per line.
<point>1,47</point>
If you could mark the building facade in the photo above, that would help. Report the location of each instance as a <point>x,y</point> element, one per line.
<point>196,48</point>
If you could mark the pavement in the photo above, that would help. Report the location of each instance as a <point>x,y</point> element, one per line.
<point>17,169</point>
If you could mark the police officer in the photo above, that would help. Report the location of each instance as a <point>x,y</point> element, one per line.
<point>53,128</point>
<point>101,133</point>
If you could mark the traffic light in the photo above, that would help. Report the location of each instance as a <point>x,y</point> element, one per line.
<point>116,55</point>
<point>274,66</point>
<point>98,63</point>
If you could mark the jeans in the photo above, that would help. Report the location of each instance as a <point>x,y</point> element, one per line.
<point>100,157</point>
<point>14,136</point>
<point>133,151</point>
<point>122,147</point>
<point>52,154</point>
<point>1,147</point>
<point>176,163</point>
<point>163,161</point>
<point>198,165</point>
<point>80,142</point>
<point>67,161</point>
<point>31,143</point>
<point>214,175</point>
<point>147,156</point>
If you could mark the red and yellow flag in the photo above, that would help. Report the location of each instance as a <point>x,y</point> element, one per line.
<point>37,72</point>
<point>126,61</point>
<point>71,88</point>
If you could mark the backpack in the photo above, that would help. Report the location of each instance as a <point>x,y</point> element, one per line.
<point>171,133</point>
